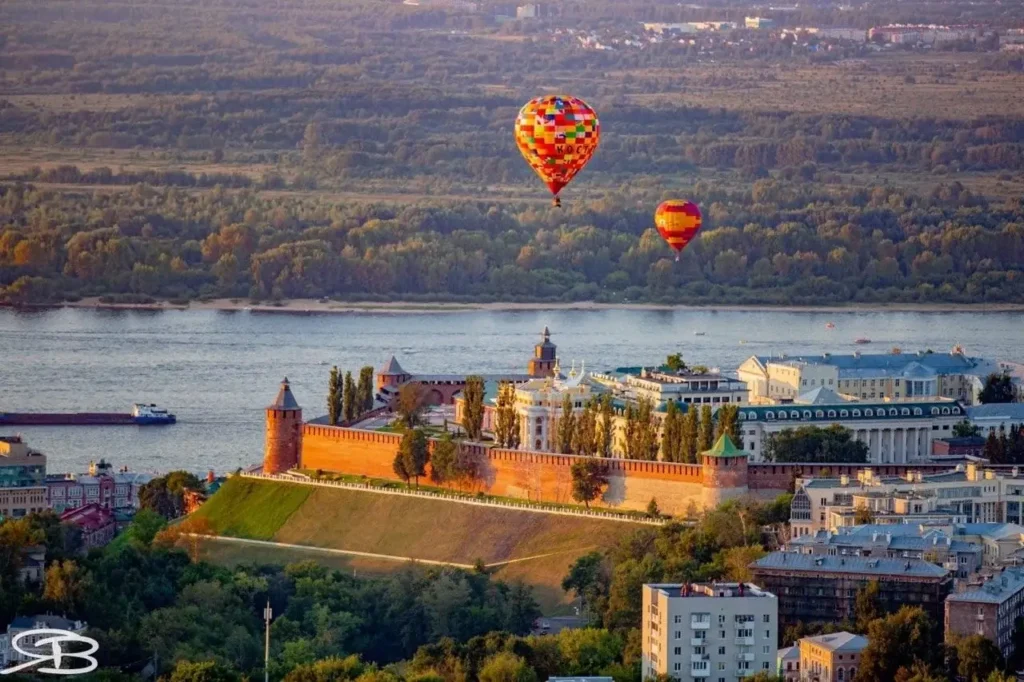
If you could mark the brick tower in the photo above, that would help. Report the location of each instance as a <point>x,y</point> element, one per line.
<point>723,472</point>
<point>544,359</point>
<point>284,432</point>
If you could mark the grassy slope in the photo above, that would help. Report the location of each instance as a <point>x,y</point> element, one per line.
<point>404,526</point>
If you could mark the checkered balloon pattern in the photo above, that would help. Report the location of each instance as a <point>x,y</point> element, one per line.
<point>557,135</point>
<point>678,222</point>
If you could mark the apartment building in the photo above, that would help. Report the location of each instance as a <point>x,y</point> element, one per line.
<point>991,610</point>
<point>967,494</point>
<point>831,658</point>
<point>22,478</point>
<point>719,632</point>
<point>824,588</point>
<point>894,432</point>
<point>891,375</point>
<point>10,656</point>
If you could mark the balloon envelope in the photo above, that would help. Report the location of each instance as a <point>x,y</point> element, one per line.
<point>557,135</point>
<point>678,222</point>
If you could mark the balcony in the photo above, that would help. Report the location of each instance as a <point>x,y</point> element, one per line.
<point>697,658</point>
<point>700,624</point>
<point>746,657</point>
<point>700,672</point>
<point>744,641</point>
<point>698,641</point>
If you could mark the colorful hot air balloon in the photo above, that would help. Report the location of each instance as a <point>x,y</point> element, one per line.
<point>678,222</point>
<point>557,135</point>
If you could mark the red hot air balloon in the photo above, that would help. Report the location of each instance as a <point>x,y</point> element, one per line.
<point>557,135</point>
<point>678,222</point>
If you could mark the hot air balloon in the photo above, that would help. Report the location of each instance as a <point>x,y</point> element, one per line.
<point>678,222</point>
<point>557,135</point>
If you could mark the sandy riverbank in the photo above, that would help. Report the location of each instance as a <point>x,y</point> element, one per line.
<point>310,306</point>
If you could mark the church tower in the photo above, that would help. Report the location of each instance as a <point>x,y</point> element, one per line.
<point>544,360</point>
<point>284,432</point>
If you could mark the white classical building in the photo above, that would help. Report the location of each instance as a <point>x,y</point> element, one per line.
<point>708,632</point>
<point>896,432</point>
<point>539,403</point>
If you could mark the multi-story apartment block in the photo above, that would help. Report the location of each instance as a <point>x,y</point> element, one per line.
<point>968,494</point>
<point>991,610</point>
<point>824,588</point>
<point>831,658</point>
<point>894,432</point>
<point>718,632</point>
<point>22,478</point>
<point>917,376</point>
<point>961,556</point>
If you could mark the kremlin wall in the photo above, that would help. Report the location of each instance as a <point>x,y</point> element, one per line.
<point>680,489</point>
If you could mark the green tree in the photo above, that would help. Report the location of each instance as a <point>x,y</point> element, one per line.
<point>506,431</point>
<point>672,434</point>
<point>728,422</point>
<point>473,412</point>
<point>998,389</point>
<point>653,510</point>
<point>365,389</point>
<point>607,437</point>
<point>506,667</point>
<point>831,445</point>
<point>689,434</point>
<point>414,452</point>
<point>165,494</point>
<point>335,392</point>
<point>994,451</point>
<point>589,479</point>
<point>675,362</point>
<point>977,658</point>
<point>866,608</point>
<point>331,669</point>
<point>585,439</point>
<point>964,429</point>
<point>349,408</point>
<point>203,671</point>
<point>410,405</point>
<point>705,430</point>
<point>444,461</point>
<point>566,425</point>
<point>641,431</point>
<point>589,580</point>
<point>899,640</point>
<point>65,587</point>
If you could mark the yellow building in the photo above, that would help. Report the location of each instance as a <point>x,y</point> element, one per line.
<point>22,478</point>
<point>831,658</point>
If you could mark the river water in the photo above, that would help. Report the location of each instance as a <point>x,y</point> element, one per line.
<point>218,370</point>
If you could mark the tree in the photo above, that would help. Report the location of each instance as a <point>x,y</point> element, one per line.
<point>165,495</point>
<point>444,461</point>
<point>414,451</point>
<point>652,509</point>
<point>473,411</point>
<point>641,431</point>
<point>689,433</point>
<point>899,640</point>
<point>589,479</point>
<point>728,422</point>
<point>977,658</point>
<point>349,407</point>
<point>865,608</point>
<point>607,426</point>
<point>832,445</point>
<point>65,587</point>
<point>994,451</point>
<point>202,671</point>
<point>589,579</point>
<point>965,429</point>
<point>506,431</point>
<point>675,362</point>
<point>585,439</point>
<point>566,426</point>
<point>863,516</point>
<point>410,405</point>
<point>335,391</point>
<point>311,143</point>
<point>705,430</point>
<point>506,667</point>
<point>672,434</point>
<point>364,390</point>
<point>998,389</point>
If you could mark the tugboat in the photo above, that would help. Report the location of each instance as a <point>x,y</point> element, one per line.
<point>147,415</point>
<point>862,341</point>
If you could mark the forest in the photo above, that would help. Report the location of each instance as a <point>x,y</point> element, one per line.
<point>357,152</point>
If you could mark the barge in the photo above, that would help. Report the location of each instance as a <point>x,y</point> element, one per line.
<point>141,415</point>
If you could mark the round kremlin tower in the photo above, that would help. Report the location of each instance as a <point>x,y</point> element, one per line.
<point>284,432</point>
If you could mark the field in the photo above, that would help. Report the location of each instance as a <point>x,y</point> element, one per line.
<point>535,548</point>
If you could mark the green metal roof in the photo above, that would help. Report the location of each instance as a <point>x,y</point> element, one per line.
<point>724,447</point>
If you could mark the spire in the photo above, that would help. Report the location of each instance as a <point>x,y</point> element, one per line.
<point>285,400</point>
<point>392,368</point>
<point>546,335</point>
<point>724,447</point>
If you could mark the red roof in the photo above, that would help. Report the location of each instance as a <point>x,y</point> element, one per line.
<point>90,517</point>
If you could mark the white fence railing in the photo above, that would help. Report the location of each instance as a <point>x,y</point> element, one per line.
<point>461,499</point>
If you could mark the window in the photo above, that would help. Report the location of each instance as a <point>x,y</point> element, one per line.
<point>839,674</point>
<point>677,666</point>
<point>677,619</point>
<point>678,651</point>
<point>766,618</point>
<point>764,649</point>
<point>721,619</point>
<point>679,634</point>
<point>764,666</point>
<point>721,651</point>
<point>767,634</point>
<point>844,413</point>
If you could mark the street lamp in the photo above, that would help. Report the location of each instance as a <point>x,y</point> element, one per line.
<point>268,613</point>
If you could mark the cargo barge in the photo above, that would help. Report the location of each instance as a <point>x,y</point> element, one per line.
<point>141,415</point>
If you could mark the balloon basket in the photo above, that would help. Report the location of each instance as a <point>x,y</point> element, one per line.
<point>677,257</point>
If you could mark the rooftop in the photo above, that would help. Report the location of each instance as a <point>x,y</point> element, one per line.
<point>717,590</point>
<point>839,641</point>
<point>849,411</point>
<point>789,653</point>
<point>54,622</point>
<point>820,396</point>
<point>1014,411</point>
<point>791,561</point>
<point>724,447</point>
<point>913,365</point>
<point>995,591</point>
<point>285,400</point>
<point>995,531</point>
<point>391,367</point>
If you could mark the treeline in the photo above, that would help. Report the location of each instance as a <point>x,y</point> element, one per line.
<point>780,243</point>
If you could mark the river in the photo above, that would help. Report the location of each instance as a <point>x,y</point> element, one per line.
<point>217,370</point>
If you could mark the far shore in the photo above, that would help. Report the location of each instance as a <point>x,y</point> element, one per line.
<point>314,306</point>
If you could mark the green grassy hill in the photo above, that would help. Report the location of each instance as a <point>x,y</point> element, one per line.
<point>536,548</point>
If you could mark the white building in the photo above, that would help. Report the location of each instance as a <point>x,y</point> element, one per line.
<point>718,632</point>
<point>895,432</point>
<point>891,375</point>
<point>539,403</point>
<point>964,496</point>
<point>9,656</point>
<point>996,417</point>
